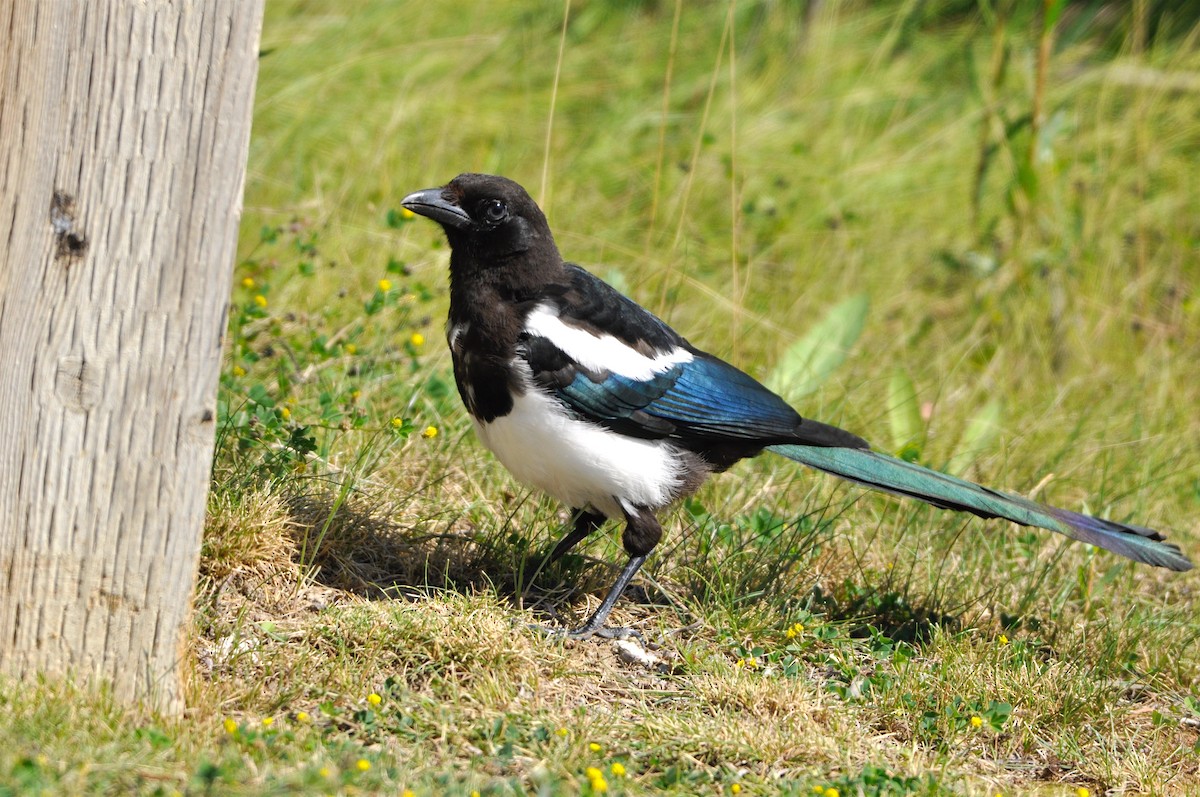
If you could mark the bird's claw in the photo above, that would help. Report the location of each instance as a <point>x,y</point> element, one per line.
<point>619,632</point>
<point>586,632</point>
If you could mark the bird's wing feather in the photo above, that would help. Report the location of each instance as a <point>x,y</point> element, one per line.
<point>701,398</point>
<point>611,361</point>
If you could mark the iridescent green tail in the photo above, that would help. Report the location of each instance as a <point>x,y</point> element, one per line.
<point>872,469</point>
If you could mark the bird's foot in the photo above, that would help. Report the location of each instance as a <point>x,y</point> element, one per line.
<point>617,632</point>
<point>587,631</point>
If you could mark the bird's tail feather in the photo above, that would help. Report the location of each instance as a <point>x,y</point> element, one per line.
<point>896,476</point>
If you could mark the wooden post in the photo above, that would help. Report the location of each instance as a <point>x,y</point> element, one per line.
<point>124,128</point>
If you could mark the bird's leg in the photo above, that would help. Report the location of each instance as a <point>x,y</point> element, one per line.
<point>595,624</point>
<point>585,523</point>
<point>642,533</point>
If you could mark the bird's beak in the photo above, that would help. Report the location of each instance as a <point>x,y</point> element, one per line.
<point>433,203</point>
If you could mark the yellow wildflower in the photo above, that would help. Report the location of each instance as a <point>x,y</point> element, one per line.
<point>323,772</point>
<point>1082,791</point>
<point>374,699</point>
<point>796,630</point>
<point>355,394</point>
<point>599,785</point>
<point>362,764</point>
<point>405,213</point>
<point>385,285</point>
<point>267,722</point>
<point>351,348</point>
<point>594,747</point>
<point>831,792</point>
<point>407,793</point>
<point>976,721</point>
<point>593,773</point>
<point>302,716</point>
<point>285,413</point>
<point>248,282</point>
<point>618,769</point>
<point>430,432</point>
<point>260,300</point>
<point>735,788</point>
<point>1003,639</point>
<point>561,731</point>
<point>416,339</point>
<point>397,423</point>
<point>239,370</point>
<point>231,725</point>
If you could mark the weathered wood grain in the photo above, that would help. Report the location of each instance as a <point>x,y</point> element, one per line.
<point>124,128</point>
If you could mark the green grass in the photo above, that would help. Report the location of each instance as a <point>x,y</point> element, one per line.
<point>350,551</point>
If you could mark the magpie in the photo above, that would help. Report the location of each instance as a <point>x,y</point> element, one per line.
<point>587,396</point>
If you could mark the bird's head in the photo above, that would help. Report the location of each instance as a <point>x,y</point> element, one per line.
<point>487,219</point>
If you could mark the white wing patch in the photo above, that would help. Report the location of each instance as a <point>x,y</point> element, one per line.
<point>600,352</point>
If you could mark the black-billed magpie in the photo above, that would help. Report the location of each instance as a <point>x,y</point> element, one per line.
<point>587,396</point>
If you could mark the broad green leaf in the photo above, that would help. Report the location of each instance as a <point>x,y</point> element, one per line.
<point>1027,179</point>
<point>810,361</point>
<point>1052,11</point>
<point>904,415</point>
<point>980,436</point>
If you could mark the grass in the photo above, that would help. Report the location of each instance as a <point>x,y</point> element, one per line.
<point>361,543</point>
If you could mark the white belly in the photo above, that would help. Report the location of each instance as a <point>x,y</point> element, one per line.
<point>581,464</point>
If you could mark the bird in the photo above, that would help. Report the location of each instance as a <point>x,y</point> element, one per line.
<point>583,394</point>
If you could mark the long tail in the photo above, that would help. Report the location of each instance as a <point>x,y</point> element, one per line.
<point>891,475</point>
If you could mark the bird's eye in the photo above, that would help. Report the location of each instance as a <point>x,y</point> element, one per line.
<point>493,211</point>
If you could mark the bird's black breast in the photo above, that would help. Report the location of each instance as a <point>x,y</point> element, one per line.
<point>483,372</point>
